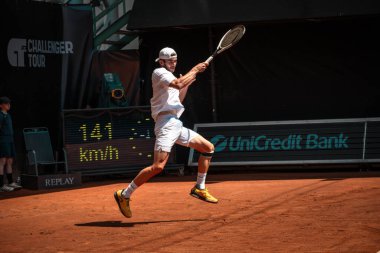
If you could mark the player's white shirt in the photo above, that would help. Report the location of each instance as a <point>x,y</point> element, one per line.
<point>164,98</point>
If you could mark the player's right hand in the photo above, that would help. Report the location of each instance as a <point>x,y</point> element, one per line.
<point>200,67</point>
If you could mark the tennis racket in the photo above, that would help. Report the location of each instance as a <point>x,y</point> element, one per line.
<point>230,38</point>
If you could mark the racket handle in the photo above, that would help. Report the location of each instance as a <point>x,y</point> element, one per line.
<point>209,59</point>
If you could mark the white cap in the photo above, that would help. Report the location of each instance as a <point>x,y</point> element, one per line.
<point>166,54</point>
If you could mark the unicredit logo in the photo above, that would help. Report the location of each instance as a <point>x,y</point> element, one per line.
<point>220,142</point>
<point>289,142</point>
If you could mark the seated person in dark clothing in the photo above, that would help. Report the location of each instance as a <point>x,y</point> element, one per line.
<point>7,146</point>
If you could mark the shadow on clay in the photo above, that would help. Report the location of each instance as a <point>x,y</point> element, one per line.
<point>129,224</point>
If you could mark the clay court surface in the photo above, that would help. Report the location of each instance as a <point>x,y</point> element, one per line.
<point>297,212</point>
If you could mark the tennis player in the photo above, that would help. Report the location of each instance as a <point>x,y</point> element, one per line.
<point>166,105</point>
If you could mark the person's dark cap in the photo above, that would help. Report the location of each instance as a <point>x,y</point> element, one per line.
<point>4,100</point>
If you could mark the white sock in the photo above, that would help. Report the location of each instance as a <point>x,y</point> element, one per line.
<point>130,189</point>
<point>201,181</point>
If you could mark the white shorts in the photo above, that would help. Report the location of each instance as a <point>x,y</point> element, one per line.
<point>169,130</point>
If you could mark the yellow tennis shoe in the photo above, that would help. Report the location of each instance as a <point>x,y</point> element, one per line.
<point>203,195</point>
<point>123,204</point>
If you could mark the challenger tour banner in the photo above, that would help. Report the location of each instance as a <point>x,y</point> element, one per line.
<point>45,56</point>
<point>292,142</point>
<point>32,53</point>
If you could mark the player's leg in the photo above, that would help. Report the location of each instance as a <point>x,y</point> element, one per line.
<point>167,133</point>
<point>206,149</point>
<point>160,159</point>
<point>123,196</point>
<point>191,139</point>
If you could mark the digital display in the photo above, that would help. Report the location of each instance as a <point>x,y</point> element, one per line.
<point>108,138</point>
<point>292,142</point>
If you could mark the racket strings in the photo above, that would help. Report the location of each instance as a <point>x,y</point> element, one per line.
<point>232,37</point>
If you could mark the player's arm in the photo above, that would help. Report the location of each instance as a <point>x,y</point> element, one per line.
<point>189,78</point>
<point>183,92</point>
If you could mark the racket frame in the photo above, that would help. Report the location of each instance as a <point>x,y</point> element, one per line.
<point>219,49</point>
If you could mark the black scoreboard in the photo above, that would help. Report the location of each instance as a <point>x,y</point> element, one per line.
<point>108,138</point>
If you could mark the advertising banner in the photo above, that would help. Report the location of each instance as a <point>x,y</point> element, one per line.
<point>292,142</point>
<point>45,54</point>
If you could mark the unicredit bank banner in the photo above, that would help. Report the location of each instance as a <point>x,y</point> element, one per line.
<point>292,142</point>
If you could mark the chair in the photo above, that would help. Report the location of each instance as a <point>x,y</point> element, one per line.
<point>39,149</point>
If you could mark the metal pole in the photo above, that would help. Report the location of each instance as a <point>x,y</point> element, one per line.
<point>212,81</point>
<point>364,139</point>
